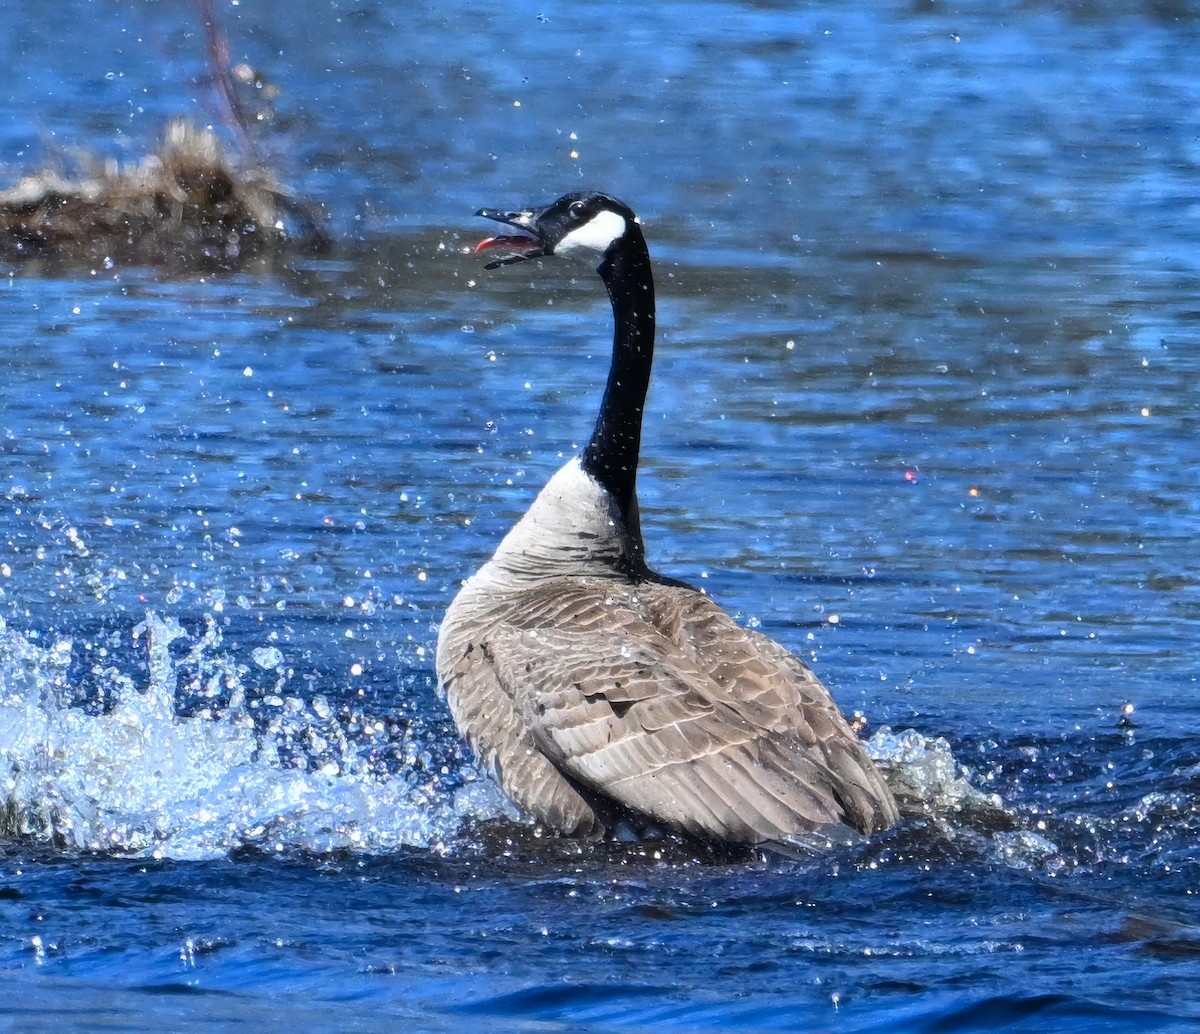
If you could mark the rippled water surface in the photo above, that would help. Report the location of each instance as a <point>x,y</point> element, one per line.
<point>925,409</point>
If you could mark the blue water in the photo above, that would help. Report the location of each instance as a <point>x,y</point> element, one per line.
<point>925,409</point>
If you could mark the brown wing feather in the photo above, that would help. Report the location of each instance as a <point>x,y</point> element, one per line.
<point>652,696</point>
<point>779,693</point>
<point>483,709</point>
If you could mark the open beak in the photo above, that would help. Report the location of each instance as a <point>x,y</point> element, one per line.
<point>520,246</point>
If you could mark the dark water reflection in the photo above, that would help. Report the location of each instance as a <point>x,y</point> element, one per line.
<point>928,366</point>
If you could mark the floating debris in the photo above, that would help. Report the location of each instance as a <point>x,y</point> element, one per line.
<point>1125,720</point>
<point>187,205</point>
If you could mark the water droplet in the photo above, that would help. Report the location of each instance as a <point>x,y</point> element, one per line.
<point>269,658</point>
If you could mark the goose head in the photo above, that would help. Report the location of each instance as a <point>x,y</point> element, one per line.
<point>583,223</point>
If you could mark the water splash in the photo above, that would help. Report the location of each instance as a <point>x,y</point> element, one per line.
<point>142,778</point>
<point>928,780</point>
<point>187,754</point>
<point>934,790</point>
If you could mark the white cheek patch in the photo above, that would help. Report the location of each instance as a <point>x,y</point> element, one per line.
<point>594,235</point>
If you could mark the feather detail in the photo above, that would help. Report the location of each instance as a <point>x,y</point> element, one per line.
<point>651,696</point>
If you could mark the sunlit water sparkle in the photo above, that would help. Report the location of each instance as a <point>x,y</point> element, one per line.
<point>925,409</point>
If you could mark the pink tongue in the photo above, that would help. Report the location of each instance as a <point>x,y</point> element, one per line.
<point>518,244</point>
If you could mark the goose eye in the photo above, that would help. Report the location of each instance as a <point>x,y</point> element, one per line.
<point>576,209</point>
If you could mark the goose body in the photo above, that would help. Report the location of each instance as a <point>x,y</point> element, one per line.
<point>591,686</point>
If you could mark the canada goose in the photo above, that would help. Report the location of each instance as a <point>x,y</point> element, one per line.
<point>593,687</point>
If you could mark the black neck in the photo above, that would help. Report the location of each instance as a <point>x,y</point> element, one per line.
<point>611,456</point>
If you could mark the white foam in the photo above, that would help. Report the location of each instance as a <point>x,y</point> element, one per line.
<point>141,780</point>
